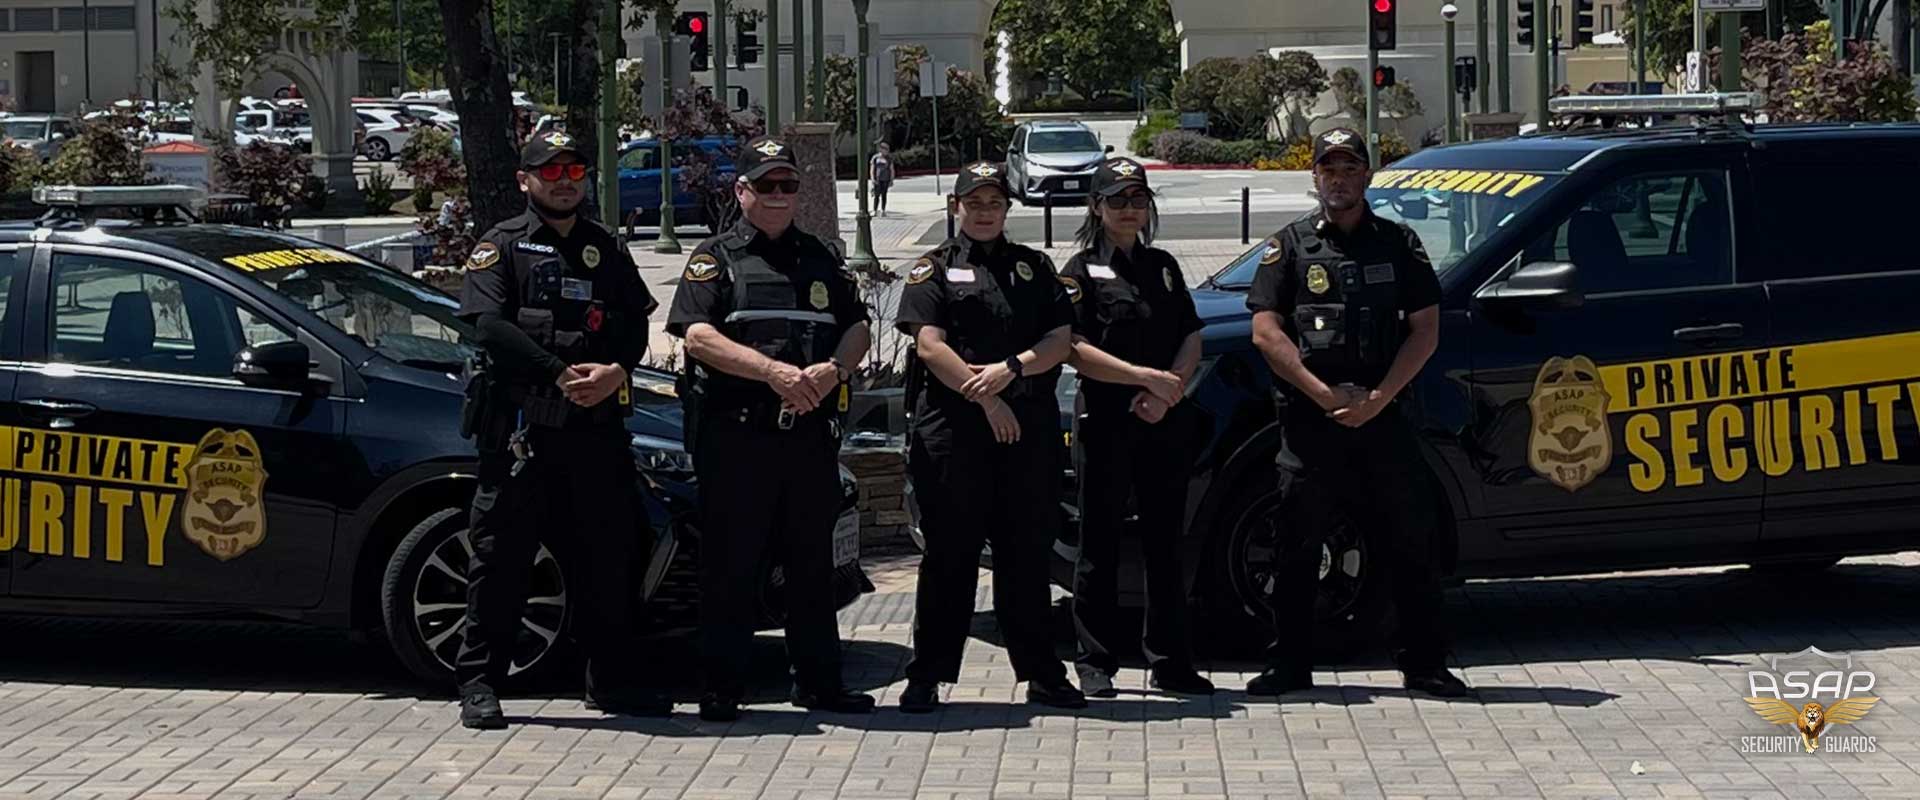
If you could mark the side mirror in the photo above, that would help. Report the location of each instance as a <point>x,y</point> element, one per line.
<point>1109,148</point>
<point>276,365</point>
<point>1540,285</point>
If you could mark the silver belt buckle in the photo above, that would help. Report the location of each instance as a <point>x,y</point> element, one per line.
<point>786,419</point>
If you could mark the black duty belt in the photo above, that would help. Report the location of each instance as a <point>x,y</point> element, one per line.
<point>775,417</point>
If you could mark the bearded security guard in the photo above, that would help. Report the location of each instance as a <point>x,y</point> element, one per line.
<point>772,320</point>
<point>1346,313</point>
<point>991,323</point>
<point>560,314</point>
<point>1136,342</point>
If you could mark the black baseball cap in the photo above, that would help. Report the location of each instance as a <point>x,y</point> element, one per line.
<point>1116,174</point>
<point>764,154</point>
<point>1339,140</point>
<point>981,174</point>
<point>548,146</point>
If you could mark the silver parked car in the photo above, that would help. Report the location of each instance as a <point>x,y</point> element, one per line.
<point>1051,161</point>
<point>41,133</point>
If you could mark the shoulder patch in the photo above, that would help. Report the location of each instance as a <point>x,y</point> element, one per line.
<point>1073,287</point>
<point>702,267</point>
<point>1272,253</point>
<point>484,255</point>
<point>921,271</point>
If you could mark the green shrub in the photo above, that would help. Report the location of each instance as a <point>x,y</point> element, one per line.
<point>1158,122</point>
<point>920,157</point>
<point>429,159</point>
<point>100,154</point>
<point>379,190</point>
<point>1186,147</point>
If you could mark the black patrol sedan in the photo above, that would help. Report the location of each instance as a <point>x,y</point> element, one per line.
<point>1651,356</point>
<point>208,421</point>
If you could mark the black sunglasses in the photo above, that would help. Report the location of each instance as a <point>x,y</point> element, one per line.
<point>768,185</point>
<point>1120,201</point>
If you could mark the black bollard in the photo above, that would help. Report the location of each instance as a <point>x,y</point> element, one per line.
<point>1246,215</point>
<point>1048,206</point>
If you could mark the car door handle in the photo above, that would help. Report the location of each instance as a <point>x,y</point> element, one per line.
<point>59,410</point>
<point>1710,333</point>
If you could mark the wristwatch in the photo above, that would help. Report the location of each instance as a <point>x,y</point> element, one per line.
<point>840,369</point>
<point>1013,365</point>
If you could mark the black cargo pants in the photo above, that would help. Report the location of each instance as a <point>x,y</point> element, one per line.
<point>579,490</point>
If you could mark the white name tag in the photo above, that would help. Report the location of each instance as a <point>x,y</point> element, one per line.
<point>1097,271</point>
<point>960,275</point>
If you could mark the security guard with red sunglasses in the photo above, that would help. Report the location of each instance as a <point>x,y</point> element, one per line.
<point>774,323</point>
<point>560,315</point>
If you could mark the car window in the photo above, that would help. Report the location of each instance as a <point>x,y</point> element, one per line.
<point>1062,142</point>
<point>1653,231</point>
<point>640,158</point>
<point>111,312</point>
<point>399,318</point>
<point>366,118</point>
<point>1796,187</point>
<point>25,129</point>
<point>61,126</point>
<point>12,262</point>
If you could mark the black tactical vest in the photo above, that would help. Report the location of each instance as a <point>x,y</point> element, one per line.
<point>562,315</point>
<point>1346,313</point>
<point>776,316</point>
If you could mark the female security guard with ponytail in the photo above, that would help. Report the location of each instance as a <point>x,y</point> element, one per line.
<point>991,325</point>
<point>1136,342</point>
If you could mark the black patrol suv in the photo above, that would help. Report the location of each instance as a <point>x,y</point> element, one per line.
<point>1671,346</point>
<point>211,421</point>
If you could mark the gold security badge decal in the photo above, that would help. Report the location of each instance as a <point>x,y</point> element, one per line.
<point>86,496</point>
<point>590,255</point>
<point>1728,417</point>
<point>1568,443</point>
<point>1025,272</point>
<point>818,296</point>
<point>1317,281</point>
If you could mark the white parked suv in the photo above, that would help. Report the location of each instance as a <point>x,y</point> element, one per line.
<point>1049,161</point>
<point>388,130</point>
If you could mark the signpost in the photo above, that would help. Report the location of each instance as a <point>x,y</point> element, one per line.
<point>933,86</point>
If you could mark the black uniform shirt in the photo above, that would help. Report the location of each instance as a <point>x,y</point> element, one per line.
<point>1276,285</point>
<point>953,288</point>
<point>1134,305</point>
<point>500,282</point>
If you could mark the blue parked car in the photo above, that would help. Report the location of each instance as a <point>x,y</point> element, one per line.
<point>640,181</point>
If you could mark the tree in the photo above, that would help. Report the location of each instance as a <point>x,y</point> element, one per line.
<point>696,114</point>
<point>477,81</point>
<point>1803,82</point>
<point>242,36</point>
<point>1093,46</point>
<point>1296,78</point>
<point>1670,29</point>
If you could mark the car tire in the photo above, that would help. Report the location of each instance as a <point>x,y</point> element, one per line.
<point>1349,612</point>
<point>378,149</point>
<point>423,601</point>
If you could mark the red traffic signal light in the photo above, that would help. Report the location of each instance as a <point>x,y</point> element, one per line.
<point>1382,77</point>
<point>1382,6</point>
<point>1382,28</point>
<point>697,25</point>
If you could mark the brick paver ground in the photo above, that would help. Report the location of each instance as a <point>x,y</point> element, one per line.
<point>1608,686</point>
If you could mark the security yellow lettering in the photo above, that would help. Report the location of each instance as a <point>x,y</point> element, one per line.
<point>1773,436</point>
<point>45,532</point>
<point>1651,472</point>
<point>10,515</point>
<point>1685,447</point>
<point>1524,183</point>
<point>156,508</point>
<point>1850,422</point>
<point>83,522</point>
<point>116,502</point>
<point>1817,442</point>
<point>1723,423</point>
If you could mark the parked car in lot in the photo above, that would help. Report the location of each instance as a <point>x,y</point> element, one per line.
<point>42,133</point>
<point>1052,161</point>
<point>219,422</point>
<point>640,181</point>
<point>388,130</point>
<point>1645,361</point>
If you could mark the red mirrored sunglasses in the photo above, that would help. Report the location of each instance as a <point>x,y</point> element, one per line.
<point>573,172</point>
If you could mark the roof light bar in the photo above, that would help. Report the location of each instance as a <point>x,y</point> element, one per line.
<point>1709,104</point>
<point>120,196</point>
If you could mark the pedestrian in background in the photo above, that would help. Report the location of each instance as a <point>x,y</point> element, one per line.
<point>882,176</point>
<point>991,324</point>
<point>1136,342</point>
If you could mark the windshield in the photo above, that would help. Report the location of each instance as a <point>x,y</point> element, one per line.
<point>27,129</point>
<point>402,320</point>
<point>1455,212</point>
<point>1062,142</point>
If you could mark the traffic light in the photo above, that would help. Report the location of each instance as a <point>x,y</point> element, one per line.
<point>1382,33</point>
<point>1582,22</point>
<point>1525,22</point>
<point>693,25</point>
<point>1382,77</point>
<point>746,41</point>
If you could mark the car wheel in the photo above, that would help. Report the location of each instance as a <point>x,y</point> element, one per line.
<point>423,601</point>
<point>1349,607</point>
<point>378,150</point>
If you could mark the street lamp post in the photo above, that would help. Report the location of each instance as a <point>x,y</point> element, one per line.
<point>863,257</point>
<point>1483,64</point>
<point>1640,45</point>
<point>799,60</point>
<point>1448,12</point>
<point>720,64</point>
<point>772,54</point>
<point>819,109</point>
<point>667,243</point>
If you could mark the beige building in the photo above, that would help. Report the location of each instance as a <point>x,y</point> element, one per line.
<point>55,54</point>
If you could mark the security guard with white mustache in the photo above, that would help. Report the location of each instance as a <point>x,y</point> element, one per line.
<point>1346,312</point>
<point>774,324</point>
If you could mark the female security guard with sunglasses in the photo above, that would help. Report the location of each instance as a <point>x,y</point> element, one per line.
<point>1136,342</point>
<point>991,325</point>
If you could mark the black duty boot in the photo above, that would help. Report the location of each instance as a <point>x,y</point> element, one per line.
<point>920,697</point>
<point>480,710</point>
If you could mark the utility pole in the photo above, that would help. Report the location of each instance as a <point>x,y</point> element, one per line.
<point>1700,47</point>
<point>1373,109</point>
<point>1479,49</point>
<point>1729,51</point>
<point>1542,69</point>
<point>799,60</point>
<point>609,113</point>
<point>1503,47</point>
<point>863,257</point>
<point>399,38</point>
<point>720,64</point>
<point>772,55</point>
<point>668,243</point>
<point>819,107</point>
<point>1447,12</point>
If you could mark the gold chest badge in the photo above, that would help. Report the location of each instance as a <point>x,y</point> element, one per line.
<point>819,297</point>
<point>1568,443</point>
<point>1025,272</point>
<point>225,513</point>
<point>590,256</point>
<point>1317,280</point>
